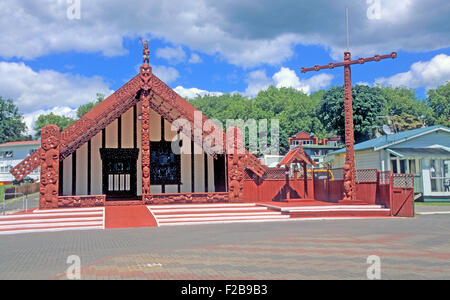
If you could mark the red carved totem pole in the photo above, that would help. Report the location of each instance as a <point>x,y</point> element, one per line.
<point>50,141</point>
<point>349,168</point>
<point>145,75</point>
<point>236,159</point>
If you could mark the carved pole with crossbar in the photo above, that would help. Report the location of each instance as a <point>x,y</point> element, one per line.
<point>349,168</point>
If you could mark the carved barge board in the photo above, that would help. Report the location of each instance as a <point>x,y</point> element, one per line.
<point>164,101</point>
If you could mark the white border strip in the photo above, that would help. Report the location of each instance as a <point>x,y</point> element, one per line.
<point>280,220</point>
<point>58,225</point>
<point>50,220</point>
<point>260,208</point>
<point>221,215</point>
<point>37,216</point>
<point>202,205</point>
<point>226,218</point>
<point>48,230</point>
<point>56,210</point>
<point>154,217</point>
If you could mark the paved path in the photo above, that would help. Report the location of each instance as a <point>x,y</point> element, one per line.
<point>416,248</point>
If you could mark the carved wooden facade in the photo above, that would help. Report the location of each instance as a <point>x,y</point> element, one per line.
<point>154,95</point>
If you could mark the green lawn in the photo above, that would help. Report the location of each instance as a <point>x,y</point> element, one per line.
<point>2,190</point>
<point>433,203</point>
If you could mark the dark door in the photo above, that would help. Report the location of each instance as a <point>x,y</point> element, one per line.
<point>119,172</point>
<point>219,174</point>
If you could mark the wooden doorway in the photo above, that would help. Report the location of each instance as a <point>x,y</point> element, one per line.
<point>119,173</point>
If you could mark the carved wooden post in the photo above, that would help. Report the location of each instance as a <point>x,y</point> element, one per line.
<point>145,75</point>
<point>235,162</point>
<point>50,141</point>
<point>305,179</point>
<point>349,168</point>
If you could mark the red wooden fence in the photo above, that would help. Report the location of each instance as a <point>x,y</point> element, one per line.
<point>395,191</point>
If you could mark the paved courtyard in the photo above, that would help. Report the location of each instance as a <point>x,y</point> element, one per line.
<point>416,248</point>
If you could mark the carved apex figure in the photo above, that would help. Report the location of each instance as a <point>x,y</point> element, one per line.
<point>145,52</point>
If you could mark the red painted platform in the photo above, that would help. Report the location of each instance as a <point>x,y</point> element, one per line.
<point>128,217</point>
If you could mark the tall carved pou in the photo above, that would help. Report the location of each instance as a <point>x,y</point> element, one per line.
<point>50,141</point>
<point>235,163</point>
<point>145,76</point>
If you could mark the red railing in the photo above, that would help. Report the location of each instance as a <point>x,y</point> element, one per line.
<point>394,191</point>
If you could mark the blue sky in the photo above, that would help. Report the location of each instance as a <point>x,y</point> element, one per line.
<point>53,61</point>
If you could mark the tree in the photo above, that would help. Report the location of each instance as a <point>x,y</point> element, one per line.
<point>439,101</point>
<point>403,107</point>
<point>368,104</point>
<point>43,120</point>
<point>84,109</point>
<point>295,110</point>
<point>12,126</point>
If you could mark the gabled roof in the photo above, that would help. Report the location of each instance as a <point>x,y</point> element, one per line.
<point>302,135</point>
<point>296,156</point>
<point>389,140</point>
<point>165,101</point>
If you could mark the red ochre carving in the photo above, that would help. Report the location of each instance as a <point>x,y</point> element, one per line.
<point>236,166</point>
<point>145,76</point>
<point>349,168</point>
<point>186,198</point>
<point>49,161</point>
<point>81,201</point>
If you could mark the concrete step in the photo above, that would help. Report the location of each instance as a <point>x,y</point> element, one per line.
<point>53,220</point>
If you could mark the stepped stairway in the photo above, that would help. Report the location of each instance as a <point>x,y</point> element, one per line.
<point>196,214</point>
<point>325,211</point>
<point>53,220</point>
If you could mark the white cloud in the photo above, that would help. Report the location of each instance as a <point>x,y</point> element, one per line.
<point>195,59</point>
<point>257,81</point>
<point>194,92</point>
<point>30,118</point>
<point>246,32</point>
<point>285,78</point>
<point>427,74</point>
<point>172,55</point>
<point>34,90</point>
<point>288,79</point>
<point>166,74</point>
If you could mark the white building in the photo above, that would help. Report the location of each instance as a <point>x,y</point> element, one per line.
<point>12,154</point>
<point>424,152</point>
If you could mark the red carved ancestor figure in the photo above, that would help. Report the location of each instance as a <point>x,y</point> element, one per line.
<point>49,158</point>
<point>236,167</point>
<point>145,76</point>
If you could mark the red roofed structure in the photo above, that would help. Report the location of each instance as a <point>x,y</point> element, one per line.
<point>146,145</point>
<point>122,150</point>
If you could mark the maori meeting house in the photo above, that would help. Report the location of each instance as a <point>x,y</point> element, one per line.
<point>119,157</point>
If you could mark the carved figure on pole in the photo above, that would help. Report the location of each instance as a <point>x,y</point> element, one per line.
<point>349,169</point>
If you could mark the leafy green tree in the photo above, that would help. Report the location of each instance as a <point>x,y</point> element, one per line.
<point>295,110</point>
<point>439,101</point>
<point>43,120</point>
<point>368,104</point>
<point>403,107</point>
<point>12,126</point>
<point>84,109</point>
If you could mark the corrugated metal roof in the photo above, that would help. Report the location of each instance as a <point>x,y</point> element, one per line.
<point>423,152</point>
<point>390,139</point>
